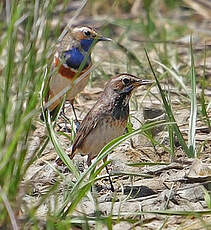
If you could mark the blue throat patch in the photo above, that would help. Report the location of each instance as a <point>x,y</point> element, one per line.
<point>86,44</point>
<point>73,58</point>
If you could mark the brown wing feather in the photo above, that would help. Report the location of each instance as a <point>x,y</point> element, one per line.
<point>89,122</point>
<point>85,128</point>
<point>67,43</point>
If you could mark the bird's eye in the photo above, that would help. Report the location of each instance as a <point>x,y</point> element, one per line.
<point>126,81</point>
<point>87,33</point>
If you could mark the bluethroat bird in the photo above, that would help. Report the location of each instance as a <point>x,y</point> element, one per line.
<point>72,58</point>
<point>108,117</point>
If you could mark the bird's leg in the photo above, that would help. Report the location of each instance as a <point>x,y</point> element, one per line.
<point>66,119</point>
<point>109,177</point>
<point>131,140</point>
<point>89,161</point>
<point>77,123</point>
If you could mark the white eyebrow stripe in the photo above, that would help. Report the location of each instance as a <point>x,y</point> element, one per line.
<point>81,29</point>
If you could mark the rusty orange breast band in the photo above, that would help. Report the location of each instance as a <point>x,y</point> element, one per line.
<point>66,71</point>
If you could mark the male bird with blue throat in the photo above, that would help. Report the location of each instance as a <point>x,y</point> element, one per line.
<point>72,58</point>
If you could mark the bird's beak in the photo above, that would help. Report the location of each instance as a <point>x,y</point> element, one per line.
<point>101,38</point>
<point>142,82</point>
<point>146,82</point>
<point>135,85</point>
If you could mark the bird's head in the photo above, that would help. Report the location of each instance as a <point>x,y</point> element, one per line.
<point>87,36</point>
<point>124,84</point>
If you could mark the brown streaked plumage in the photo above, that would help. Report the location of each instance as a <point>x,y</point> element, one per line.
<point>108,117</point>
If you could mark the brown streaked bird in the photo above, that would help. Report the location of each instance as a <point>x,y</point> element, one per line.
<point>108,117</point>
<point>72,56</point>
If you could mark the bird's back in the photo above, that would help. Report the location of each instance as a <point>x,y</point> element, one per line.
<point>104,122</point>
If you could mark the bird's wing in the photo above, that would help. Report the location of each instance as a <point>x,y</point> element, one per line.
<point>88,124</point>
<point>66,44</point>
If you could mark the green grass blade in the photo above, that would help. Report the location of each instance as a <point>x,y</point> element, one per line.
<point>67,207</point>
<point>193,112</point>
<point>63,156</point>
<point>175,76</point>
<point>195,213</point>
<point>202,96</point>
<point>170,113</point>
<point>9,209</point>
<point>141,164</point>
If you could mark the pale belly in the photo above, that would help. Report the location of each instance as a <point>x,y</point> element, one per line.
<point>58,83</point>
<point>101,135</point>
